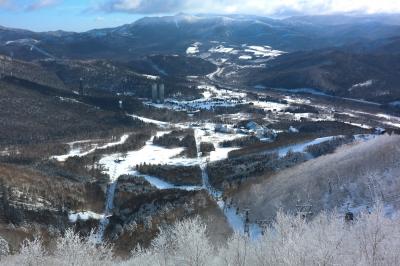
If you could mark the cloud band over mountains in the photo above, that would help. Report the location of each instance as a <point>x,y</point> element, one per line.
<point>264,7</point>
<point>260,7</point>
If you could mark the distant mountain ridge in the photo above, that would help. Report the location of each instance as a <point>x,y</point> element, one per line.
<point>173,34</point>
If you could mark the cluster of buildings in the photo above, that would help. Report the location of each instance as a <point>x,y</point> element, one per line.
<point>251,128</point>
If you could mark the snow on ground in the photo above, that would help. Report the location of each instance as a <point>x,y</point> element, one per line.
<point>385,116</point>
<point>84,216</point>
<point>263,51</point>
<point>5,152</point>
<point>299,116</point>
<point>194,49</point>
<point>392,124</point>
<point>291,99</point>
<point>270,105</point>
<point>347,113</point>
<point>64,99</point>
<point>148,120</point>
<point>112,144</point>
<point>161,184</point>
<point>153,154</point>
<point>363,84</point>
<point>301,147</point>
<point>150,77</point>
<point>388,117</point>
<point>221,93</point>
<point>223,49</point>
<point>245,57</point>
<point>236,117</point>
<point>26,41</point>
<point>78,151</point>
<point>393,121</point>
<point>237,221</point>
<point>358,125</point>
<point>208,134</point>
<point>149,154</point>
<point>207,94</point>
<point>217,73</point>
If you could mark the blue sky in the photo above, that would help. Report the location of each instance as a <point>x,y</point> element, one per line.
<point>81,15</point>
<point>72,15</point>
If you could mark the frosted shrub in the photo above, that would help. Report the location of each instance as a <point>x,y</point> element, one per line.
<point>192,246</point>
<point>236,252</point>
<point>372,239</point>
<point>186,243</point>
<point>4,248</point>
<point>71,249</point>
<point>32,253</point>
<point>377,239</point>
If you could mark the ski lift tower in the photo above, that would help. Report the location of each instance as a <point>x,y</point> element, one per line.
<point>3,69</point>
<point>247,222</point>
<point>304,210</point>
<point>81,89</point>
<point>263,225</point>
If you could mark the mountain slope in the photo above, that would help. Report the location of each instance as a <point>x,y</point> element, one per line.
<point>354,176</point>
<point>342,72</point>
<point>173,34</point>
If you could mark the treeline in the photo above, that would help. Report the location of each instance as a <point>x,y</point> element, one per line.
<point>179,138</point>
<point>175,174</point>
<point>230,173</point>
<point>328,146</point>
<point>240,142</point>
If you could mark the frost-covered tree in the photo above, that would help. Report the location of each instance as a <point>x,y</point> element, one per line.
<point>186,243</point>
<point>327,239</point>
<point>32,253</point>
<point>71,249</point>
<point>4,248</point>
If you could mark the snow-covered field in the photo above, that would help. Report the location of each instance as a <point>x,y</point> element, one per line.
<point>76,148</point>
<point>194,49</point>
<point>270,106</point>
<point>263,51</point>
<point>222,53</point>
<point>161,184</point>
<point>154,154</point>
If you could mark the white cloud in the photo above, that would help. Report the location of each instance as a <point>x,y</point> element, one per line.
<point>98,19</point>
<point>4,3</point>
<point>144,6</point>
<point>264,7</point>
<point>25,5</point>
<point>42,4</point>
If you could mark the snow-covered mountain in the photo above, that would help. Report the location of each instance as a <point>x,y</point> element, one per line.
<point>173,34</point>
